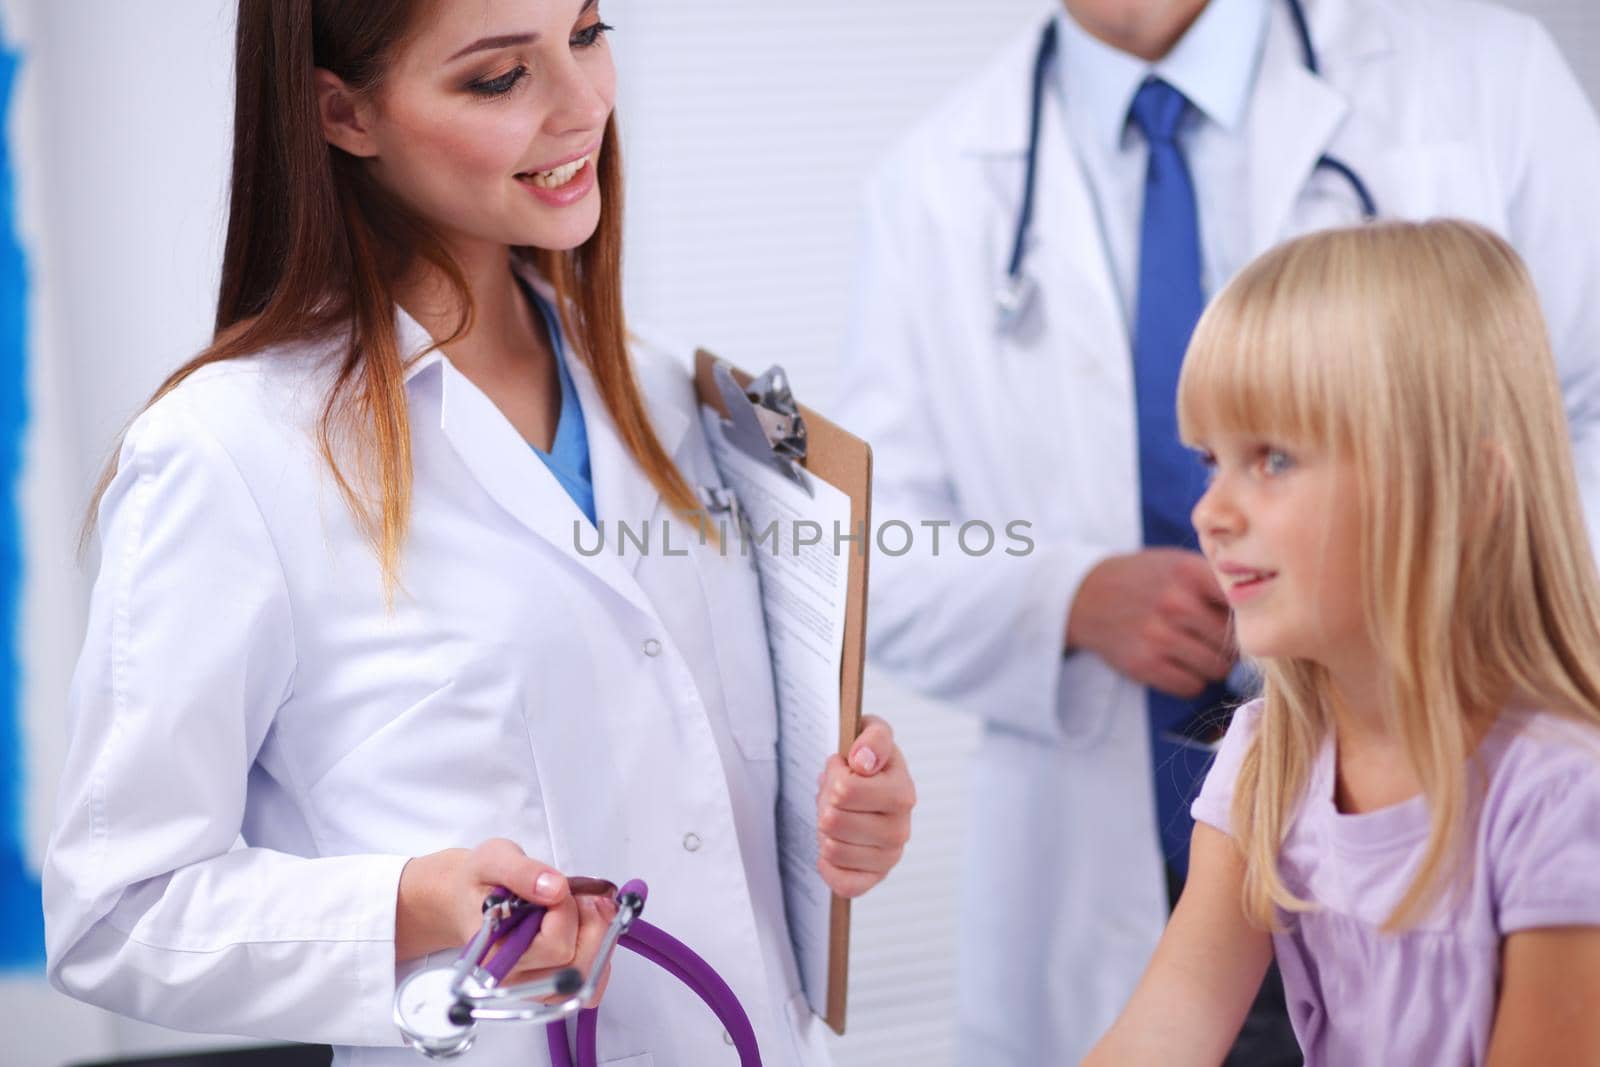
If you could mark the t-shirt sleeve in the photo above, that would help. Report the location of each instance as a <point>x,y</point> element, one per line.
<point>1216,794</point>
<point>1546,857</point>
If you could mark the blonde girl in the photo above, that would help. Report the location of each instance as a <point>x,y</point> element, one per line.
<point>1409,817</point>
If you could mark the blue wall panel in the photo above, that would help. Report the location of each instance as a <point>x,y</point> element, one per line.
<point>21,920</point>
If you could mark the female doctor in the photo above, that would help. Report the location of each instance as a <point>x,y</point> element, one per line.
<point>346,668</point>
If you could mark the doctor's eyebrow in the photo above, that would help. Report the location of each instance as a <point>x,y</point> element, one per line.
<point>485,44</point>
<point>489,43</point>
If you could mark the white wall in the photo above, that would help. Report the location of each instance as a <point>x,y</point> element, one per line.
<point>748,127</point>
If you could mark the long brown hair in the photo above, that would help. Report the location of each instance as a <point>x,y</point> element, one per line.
<point>1419,351</point>
<point>315,246</point>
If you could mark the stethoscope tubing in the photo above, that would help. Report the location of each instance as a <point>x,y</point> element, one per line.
<point>1041,66</point>
<point>678,960</point>
<point>513,936</point>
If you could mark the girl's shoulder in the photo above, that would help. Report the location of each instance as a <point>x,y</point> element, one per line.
<point>1529,749</point>
<point>1541,819</point>
<point>1215,801</point>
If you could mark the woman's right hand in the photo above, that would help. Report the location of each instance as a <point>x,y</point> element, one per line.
<point>440,906</point>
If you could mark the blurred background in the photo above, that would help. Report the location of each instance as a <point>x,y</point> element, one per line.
<point>748,128</point>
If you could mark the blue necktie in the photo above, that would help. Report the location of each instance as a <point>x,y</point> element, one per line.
<point>1170,479</point>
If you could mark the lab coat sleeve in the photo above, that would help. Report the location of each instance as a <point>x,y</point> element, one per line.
<point>152,907</point>
<point>984,632</point>
<point>1551,143</point>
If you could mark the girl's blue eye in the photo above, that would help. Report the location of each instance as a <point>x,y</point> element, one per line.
<point>1276,461</point>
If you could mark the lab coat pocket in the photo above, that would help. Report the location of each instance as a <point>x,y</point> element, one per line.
<point>1087,699</point>
<point>451,768</point>
<point>643,1059</point>
<point>810,1032</point>
<point>1427,179</point>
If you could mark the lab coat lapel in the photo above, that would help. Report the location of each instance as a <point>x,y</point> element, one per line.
<point>1066,250</point>
<point>1078,351</point>
<point>1295,115</point>
<point>622,491</point>
<point>507,469</point>
<point>1091,360</point>
<point>1069,253</point>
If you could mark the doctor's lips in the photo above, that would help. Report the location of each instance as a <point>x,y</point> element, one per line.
<point>563,175</point>
<point>1240,583</point>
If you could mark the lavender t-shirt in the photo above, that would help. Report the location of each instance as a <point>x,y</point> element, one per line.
<point>1426,995</point>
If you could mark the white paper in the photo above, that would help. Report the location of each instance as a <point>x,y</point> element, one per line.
<point>803,590</point>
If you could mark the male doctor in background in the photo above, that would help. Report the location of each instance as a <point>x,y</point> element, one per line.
<point>1176,140</point>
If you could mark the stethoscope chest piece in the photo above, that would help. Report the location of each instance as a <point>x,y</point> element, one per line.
<point>437,1009</point>
<point>1015,301</point>
<point>423,1006</point>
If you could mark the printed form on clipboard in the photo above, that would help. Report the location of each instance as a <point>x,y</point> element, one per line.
<point>798,485</point>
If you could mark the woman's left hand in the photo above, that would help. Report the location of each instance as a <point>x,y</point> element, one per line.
<point>864,811</point>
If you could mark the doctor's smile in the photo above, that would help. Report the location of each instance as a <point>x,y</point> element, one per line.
<point>564,183</point>
<point>420,346</point>
<point>1186,431</point>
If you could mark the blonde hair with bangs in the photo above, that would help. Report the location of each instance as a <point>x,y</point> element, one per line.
<point>1418,351</point>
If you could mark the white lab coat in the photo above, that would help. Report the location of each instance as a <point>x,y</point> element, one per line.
<point>613,716</point>
<point>1444,107</point>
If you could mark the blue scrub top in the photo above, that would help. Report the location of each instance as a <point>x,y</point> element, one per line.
<point>568,458</point>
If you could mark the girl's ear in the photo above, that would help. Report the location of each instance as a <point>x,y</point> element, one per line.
<point>346,115</point>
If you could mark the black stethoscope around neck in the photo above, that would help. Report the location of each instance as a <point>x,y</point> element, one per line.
<point>1017,291</point>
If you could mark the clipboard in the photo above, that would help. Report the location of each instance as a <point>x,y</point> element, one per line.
<point>762,419</point>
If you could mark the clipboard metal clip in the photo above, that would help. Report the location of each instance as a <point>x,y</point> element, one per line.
<point>764,421</point>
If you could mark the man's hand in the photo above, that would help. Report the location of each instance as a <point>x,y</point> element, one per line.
<point>1157,616</point>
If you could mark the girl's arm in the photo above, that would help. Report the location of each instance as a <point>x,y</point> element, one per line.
<point>1193,997</point>
<point>1549,1010</point>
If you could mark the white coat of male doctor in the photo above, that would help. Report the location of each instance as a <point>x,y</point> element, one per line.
<point>1443,107</point>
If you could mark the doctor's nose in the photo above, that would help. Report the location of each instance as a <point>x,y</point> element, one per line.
<point>580,98</point>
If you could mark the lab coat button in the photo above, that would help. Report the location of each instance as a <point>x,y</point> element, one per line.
<point>727,1038</point>
<point>652,647</point>
<point>691,842</point>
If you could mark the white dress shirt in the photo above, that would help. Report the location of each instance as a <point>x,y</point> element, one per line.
<point>1215,66</point>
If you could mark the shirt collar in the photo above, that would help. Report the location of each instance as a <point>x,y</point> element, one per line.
<point>1214,64</point>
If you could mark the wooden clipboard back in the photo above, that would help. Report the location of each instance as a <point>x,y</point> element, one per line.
<point>844,461</point>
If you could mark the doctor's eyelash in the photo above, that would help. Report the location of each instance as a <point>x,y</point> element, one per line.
<point>584,38</point>
<point>499,86</point>
<point>590,36</point>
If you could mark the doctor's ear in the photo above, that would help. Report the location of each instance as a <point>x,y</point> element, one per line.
<point>346,115</point>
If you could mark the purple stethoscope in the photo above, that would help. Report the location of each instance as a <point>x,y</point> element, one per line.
<point>438,1009</point>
